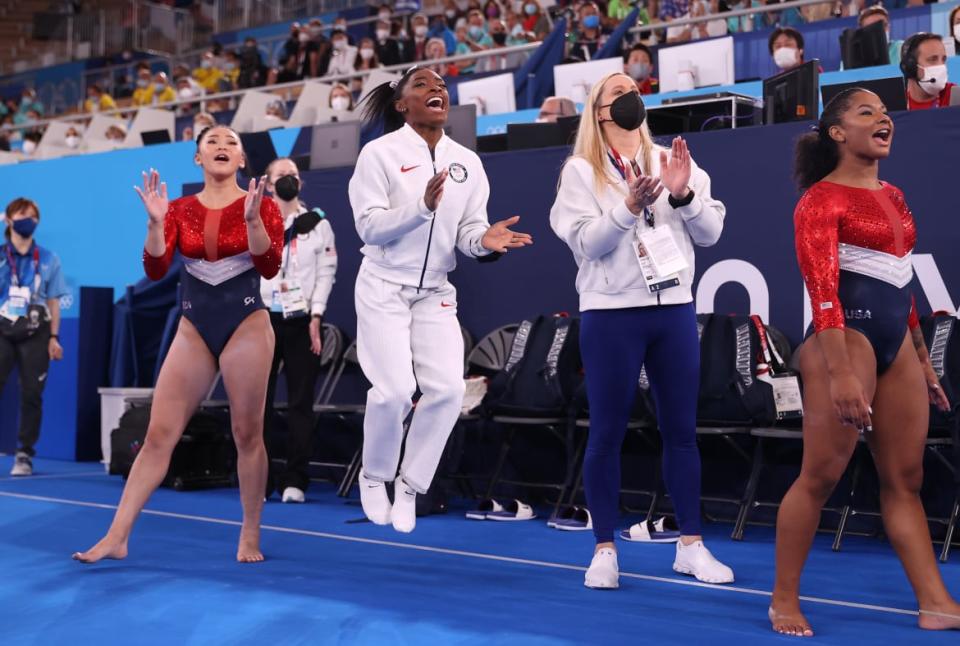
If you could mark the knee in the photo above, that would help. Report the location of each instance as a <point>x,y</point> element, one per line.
<point>248,433</point>
<point>160,438</point>
<point>905,481</point>
<point>449,392</point>
<point>819,483</point>
<point>395,395</point>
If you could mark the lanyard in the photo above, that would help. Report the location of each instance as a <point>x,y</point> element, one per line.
<point>617,162</point>
<point>291,252</point>
<point>14,271</point>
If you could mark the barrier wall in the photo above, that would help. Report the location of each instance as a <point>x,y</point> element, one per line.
<point>94,220</point>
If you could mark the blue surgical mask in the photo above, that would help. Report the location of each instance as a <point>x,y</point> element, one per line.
<point>592,21</point>
<point>24,228</point>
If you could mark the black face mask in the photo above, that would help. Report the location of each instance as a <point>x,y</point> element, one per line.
<point>627,111</point>
<point>287,188</point>
<point>499,37</point>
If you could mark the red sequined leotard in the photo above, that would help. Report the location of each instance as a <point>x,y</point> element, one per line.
<point>854,248</point>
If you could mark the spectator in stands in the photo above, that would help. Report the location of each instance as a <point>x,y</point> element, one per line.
<point>388,50</point>
<point>72,138</point>
<point>288,71</point>
<point>478,38</point>
<point>786,47</point>
<point>143,95</point>
<point>315,51</point>
<point>31,139</point>
<point>4,141</point>
<point>924,66</point>
<point>498,34</point>
<point>492,9</point>
<point>231,71</point>
<point>516,34</point>
<point>208,75</point>
<point>638,65</point>
<point>31,285</point>
<point>673,9</point>
<point>201,121</point>
<point>341,99</point>
<point>437,49</point>
<point>98,100</point>
<point>291,46</point>
<point>163,92</point>
<point>451,14</point>
<point>954,23</point>
<point>188,89</point>
<point>708,29</point>
<point>28,103</point>
<point>385,13</point>
<point>276,110</point>
<point>439,29</point>
<point>588,35</point>
<point>366,60</point>
<point>252,70</point>
<point>415,49</point>
<point>618,10</point>
<point>554,107</point>
<point>343,56</point>
<point>116,133</point>
<point>875,14</point>
<point>535,20</point>
<point>340,27</point>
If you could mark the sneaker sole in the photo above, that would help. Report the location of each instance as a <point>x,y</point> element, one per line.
<point>689,572</point>
<point>596,586</point>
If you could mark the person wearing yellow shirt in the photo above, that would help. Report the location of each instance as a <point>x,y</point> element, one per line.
<point>143,95</point>
<point>98,100</point>
<point>208,75</point>
<point>163,92</point>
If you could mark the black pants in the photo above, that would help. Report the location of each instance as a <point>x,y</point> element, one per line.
<point>301,368</point>
<point>32,358</point>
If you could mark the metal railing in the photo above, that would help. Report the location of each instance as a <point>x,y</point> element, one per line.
<point>285,90</point>
<point>229,15</point>
<point>752,11</point>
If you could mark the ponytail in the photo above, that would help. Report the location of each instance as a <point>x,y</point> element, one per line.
<point>816,153</point>
<point>379,106</point>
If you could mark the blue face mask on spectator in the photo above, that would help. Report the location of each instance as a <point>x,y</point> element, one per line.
<point>25,228</point>
<point>476,32</point>
<point>591,21</point>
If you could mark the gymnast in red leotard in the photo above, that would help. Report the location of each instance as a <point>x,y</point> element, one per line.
<point>854,236</point>
<point>228,238</point>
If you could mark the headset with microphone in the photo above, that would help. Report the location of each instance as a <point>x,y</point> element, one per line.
<point>909,64</point>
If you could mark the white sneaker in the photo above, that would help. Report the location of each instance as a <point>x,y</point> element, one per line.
<point>404,512</point>
<point>22,466</point>
<point>292,494</point>
<point>697,561</point>
<point>373,497</point>
<point>603,573</point>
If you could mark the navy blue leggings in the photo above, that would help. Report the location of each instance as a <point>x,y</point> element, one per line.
<point>615,345</point>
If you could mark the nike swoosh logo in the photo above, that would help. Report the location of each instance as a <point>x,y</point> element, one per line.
<point>407,169</point>
<point>442,304</point>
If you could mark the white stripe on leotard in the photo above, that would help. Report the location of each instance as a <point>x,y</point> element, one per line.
<point>876,264</point>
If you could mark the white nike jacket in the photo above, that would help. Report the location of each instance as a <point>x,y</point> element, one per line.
<point>600,230</point>
<point>404,242</point>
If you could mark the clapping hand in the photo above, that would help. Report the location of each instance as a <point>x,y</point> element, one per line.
<point>643,190</point>
<point>675,171</point>
<point>154,196</point>
<point>499,238</point>
<point>251,205</point>
<point>431,197</point>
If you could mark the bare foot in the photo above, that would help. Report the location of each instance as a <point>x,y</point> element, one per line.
<point>945,617</point>
<point>249,549</point>
<point>107,548</point>
<point>791,622</point>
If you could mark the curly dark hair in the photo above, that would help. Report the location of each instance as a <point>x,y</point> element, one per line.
<point>816,154</point>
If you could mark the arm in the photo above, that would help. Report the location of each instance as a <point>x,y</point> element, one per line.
<point>326,268</point>
<point>703,216</point>
<point>577,219</point>
<point>161,239</point>
<point>54,287</point>
<point>264,231</point>
<point>937,397</point>
<point>377,223</point>
<point>474,222</point>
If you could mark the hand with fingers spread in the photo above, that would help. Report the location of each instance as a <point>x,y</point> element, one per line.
<point>643,191</point>
<point>500,238</point>
<point>251,205</point>
<point>675,171</point>
<point>154,196</point>
<point>850,402</point>
<point>431,197</point>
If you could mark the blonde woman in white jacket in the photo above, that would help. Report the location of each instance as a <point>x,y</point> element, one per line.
<point>416,195</point>
<point>631,212</point>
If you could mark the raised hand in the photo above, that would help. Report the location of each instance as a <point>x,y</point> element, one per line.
<point>154,196</point>
<point>500,238</point>
<point>251,205</point>
<point>643,191</point>
<point>675,171</point>
<point>431,197</point>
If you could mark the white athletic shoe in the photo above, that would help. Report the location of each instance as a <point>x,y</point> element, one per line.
<point>604,573</point>
<point>292,494</point>
<point>404,514</point>
<point>22,466</point>
<point>697,561</point>
<point>373,497</point>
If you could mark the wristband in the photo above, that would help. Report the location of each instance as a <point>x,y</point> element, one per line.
<point>675,203</point>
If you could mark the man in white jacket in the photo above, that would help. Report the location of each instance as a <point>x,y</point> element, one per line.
<point>417,195</point>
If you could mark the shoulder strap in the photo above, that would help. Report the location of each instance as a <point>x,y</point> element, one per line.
<point>561,329</point>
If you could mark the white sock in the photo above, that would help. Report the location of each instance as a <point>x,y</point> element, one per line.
<point>404,514</point>
<point>373,497</point>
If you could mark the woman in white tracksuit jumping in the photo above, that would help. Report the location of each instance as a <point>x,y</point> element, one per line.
<point>416,196</point>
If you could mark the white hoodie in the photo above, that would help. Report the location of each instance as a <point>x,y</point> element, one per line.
<point>596,224</point>
<point>404,242</point>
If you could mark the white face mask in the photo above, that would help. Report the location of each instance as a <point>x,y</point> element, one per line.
<point>205,64</point>
<point>303,37</point>
<point>339,44</point>
<point>956,31</point>
<point>94,104</point>
<point>29,146</point>
<point>366,53</point>
<point>72,141</point>
<point>382,34</point>
<point>159,87</point>
<point>384,16</point>
<point>934,79</point>
<point>638,71</point>
<point>142,82</point>
<point>785,57</point>
<point>185,93</point>
<point>340,103</point>
<point>420,31</point>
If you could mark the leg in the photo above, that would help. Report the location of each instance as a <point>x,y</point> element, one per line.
<point>901,413</point>
<point>184,378</point>
<point>827,447</point>
<point>276,321</point>
<point>302,370</point>
<point>438,365</point>
<point>612,347</point>
<point>33,360</point>
<point>383,347</point>
<point>245,365</point>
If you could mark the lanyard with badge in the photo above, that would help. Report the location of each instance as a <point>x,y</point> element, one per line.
<point>18,298</point>
<point>660,258</point>
<point>288,295</point>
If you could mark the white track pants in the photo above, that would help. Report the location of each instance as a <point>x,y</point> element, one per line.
<point>405,338</point>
